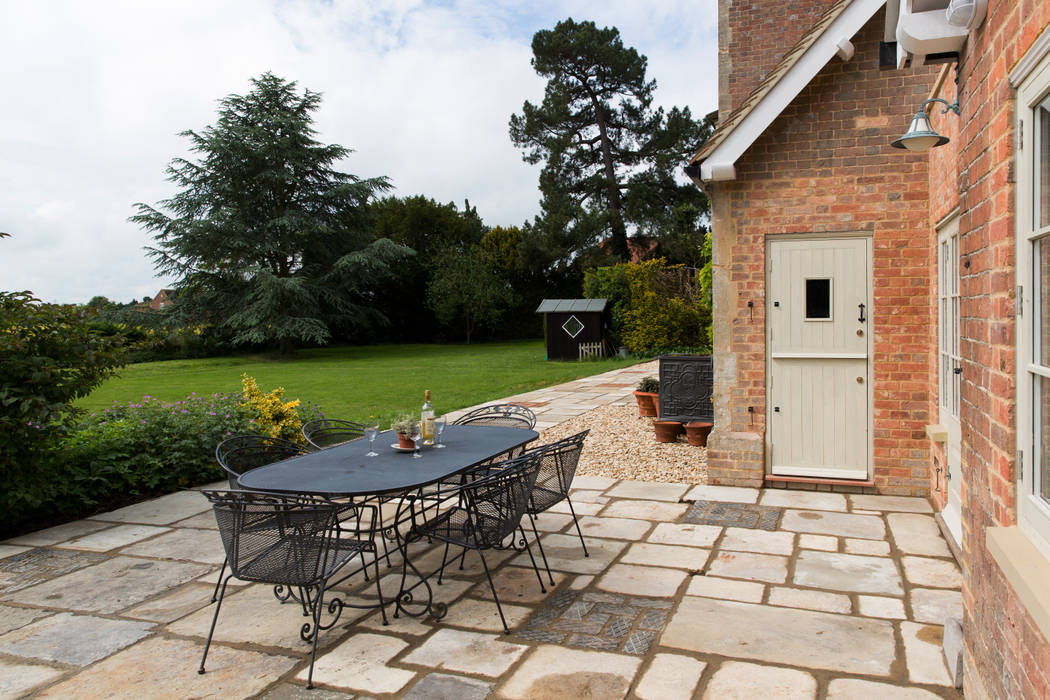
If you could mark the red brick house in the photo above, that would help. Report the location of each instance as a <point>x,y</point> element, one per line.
<point>882,316</point>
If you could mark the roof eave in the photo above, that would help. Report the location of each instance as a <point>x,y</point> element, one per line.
<point>720,163</point>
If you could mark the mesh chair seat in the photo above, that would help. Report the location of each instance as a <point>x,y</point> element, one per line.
<point>327,432</point>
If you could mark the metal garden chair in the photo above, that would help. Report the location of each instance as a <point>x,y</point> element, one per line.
<point>293,543</point>
<point>242,453</point>
<point>508,415</point>
<point>557,467</point>
<point>326,432</point>
<point>487,512</point>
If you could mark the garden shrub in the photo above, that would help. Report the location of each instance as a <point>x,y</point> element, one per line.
<point>147,448</point>
<point>49,357</point>
<point>271,415</point>
<point>656,307</point>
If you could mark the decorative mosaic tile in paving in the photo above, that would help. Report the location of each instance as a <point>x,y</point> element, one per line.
<point>603,621</point>
<point>39,565</point>
<point>727,514</point>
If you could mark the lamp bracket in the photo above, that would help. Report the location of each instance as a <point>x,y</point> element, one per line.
<point>948,106</point>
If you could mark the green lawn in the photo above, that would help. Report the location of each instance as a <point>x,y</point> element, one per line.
<point>360,382</point>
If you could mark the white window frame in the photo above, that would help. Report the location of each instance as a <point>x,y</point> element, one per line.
<point>1033,88</point>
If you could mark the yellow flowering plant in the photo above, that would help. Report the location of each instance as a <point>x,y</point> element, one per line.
<point>275,417</point>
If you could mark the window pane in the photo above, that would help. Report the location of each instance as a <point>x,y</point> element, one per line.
<point>818,299</point>
<point>1042,170</point>
<point>1042,426</point>
<point>1041,349</point>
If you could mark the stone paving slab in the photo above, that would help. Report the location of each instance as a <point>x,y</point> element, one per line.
<point>736,680</point>
<point>17,679</point>
<point>361,663</point>
<point>748,565</point>
<point>77,640</point>
<point>670,677</point>
<point>441,686</point>
<point>729,494</point>
<point>160,511</point>
<point>644,510</point>
<point>666,555</point>
<point>564,553</point>
<point>171,664</point>
<point>112,538</point>
<point>648,490</point>
<point>184,544</point>
<point>466,652</point>
<point>830,523</point>
<point>803,500</point>
<point>782,635</point>
<point>847,572</point>
<point>917,534</point>
<point>902,504</point>
<point>59,533</point>
<point>856,689</point>
<point>40,565</point>
<point>11,618</point>
<point>110,586</point>
<point>556,672</point>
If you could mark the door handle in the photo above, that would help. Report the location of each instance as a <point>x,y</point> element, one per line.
<point>957,370</point>
<point>861,319</point>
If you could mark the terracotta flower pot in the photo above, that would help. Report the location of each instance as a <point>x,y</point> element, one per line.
<point>648,403</point>
<point>696,433</point>
<point>667,430</point>
<point>405,441</point>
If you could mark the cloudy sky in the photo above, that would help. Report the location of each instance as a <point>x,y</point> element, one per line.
<point>96,92</point>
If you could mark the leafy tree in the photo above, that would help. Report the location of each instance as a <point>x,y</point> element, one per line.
<point>467,289</point>
<point>610,159</point>
<point>430,229</point>
<point>266,238</point>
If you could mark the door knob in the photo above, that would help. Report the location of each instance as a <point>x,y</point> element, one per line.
<point>860,380</point>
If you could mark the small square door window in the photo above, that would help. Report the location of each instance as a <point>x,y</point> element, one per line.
<point>818,299</point>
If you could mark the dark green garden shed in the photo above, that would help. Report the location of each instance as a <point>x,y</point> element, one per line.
<point>570,323</point>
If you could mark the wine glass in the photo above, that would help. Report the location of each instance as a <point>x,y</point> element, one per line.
<point>439,430</point>
<point>371,431</point>
<point>417,438</point>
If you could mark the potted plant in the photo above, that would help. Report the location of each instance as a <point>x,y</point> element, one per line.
<point>405,427</point>
<point>667,430</point>
<point>647,395</point>
<point>696,433</point>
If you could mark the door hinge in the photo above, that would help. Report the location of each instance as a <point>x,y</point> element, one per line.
<point>1020,134</point>
<point>1019,302</point>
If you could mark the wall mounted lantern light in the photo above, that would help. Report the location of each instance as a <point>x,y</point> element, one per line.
<point>920,135</point>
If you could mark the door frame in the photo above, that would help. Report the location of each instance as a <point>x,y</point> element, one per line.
<point>948,228</point>
<point>822,236</point>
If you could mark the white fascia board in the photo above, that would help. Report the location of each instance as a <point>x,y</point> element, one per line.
<point>722,159</point>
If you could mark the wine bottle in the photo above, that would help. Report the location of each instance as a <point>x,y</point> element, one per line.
<point>426,420</point>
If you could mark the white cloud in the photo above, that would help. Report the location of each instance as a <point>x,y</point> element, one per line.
<point>422,91</point>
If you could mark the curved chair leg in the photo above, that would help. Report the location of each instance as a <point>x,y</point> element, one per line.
<point>577,522</point>
<point>215,617</point>
<point>318,607</point>
<point>543,555</point>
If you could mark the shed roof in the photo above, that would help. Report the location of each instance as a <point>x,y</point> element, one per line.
<point>571,305</point>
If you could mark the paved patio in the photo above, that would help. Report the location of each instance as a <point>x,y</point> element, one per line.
<point>689,591</point>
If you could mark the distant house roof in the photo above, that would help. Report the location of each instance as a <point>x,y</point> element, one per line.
<point>571,305</point>
<point>830,36</point>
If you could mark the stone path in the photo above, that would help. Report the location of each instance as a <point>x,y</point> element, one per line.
<point>688,592</point>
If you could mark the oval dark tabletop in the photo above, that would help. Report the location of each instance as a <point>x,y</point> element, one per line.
<point>345,470</point>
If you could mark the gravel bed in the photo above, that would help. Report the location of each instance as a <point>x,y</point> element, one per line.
<point>622,445</point>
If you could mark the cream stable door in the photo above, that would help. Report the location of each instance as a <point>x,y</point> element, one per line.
<point>949,372</point>
<point>818,309</point>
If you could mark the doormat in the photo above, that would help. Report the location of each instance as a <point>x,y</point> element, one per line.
<point>603,621</point>
<point>726,514</point>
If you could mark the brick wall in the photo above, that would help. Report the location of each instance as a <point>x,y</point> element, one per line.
<point>825,165</point>
<point>1006,657</point>
<point>753,36</point>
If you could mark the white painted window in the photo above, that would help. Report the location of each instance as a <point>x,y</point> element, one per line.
<point>1033,279</point>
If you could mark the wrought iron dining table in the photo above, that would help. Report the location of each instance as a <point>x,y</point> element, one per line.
<point>346,472</point>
